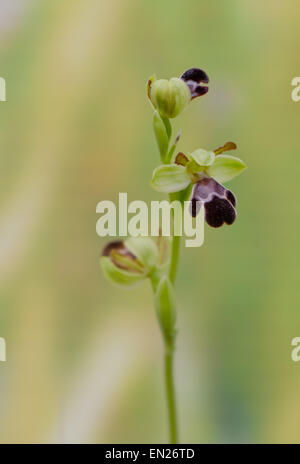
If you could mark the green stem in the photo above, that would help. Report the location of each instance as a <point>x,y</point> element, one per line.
<point>169,342</point>
<point>169,355</point>
<point>175,242</point>
<point>171,395</point>
<point>174,257</point>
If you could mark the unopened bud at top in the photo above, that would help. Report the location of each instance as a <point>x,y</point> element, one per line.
<point>170,97</point>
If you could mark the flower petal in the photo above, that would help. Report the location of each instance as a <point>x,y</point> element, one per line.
<point>218,211</point>
<point>226,147</point>
<point>231,197</point>
<point>203,157</point>
<point>226,167</point>
<point>193,78</point>
<point>119,276</point>
<point>195,207</point>
<point>149,84</point>
<point>181,159</point>
<point>205,188</point>
<point>170,178</point>
<point>219,203</point>
<point>144,249</point>
<point>122,256</point>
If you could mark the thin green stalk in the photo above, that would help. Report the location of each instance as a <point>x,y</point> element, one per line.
<point>169,355</point>
<point>169,358</point>
<point>175,244</point>
<point>169,344</point>
<point>174,257</point>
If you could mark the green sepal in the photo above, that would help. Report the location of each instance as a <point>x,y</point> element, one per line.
<point>127,262</point>
<point>145,249</point>
<point>170,178</point>
<point>225,168</point>
<point>149,84</point>
<point>119,276</point>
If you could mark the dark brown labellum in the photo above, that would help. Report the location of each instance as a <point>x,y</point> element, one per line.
<point>219,202</point>
<point>194,78</point>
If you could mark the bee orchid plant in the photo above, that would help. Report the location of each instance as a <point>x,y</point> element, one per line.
<point>196,176</point>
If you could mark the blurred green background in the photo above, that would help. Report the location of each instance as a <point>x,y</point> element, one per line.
<point>84,359</point>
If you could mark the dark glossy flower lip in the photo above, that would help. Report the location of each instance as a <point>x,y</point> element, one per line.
<point>218,211</point>
<point>219,203</point>
<point>194,78</point>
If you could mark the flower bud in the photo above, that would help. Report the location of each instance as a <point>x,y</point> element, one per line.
<point>128,263</point>
<point>170,97</point>
<point>120,266</point>
<point>145,250</point>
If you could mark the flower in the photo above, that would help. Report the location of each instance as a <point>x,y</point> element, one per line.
<point>204,171</point>
<point>131,261</point>
<point>170,97</point>
<point>193,78</point>
<point>120,265</point>
<point>122,257</point>
<point>219,203</point>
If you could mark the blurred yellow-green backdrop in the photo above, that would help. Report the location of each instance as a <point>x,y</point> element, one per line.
<point>84,359</point>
